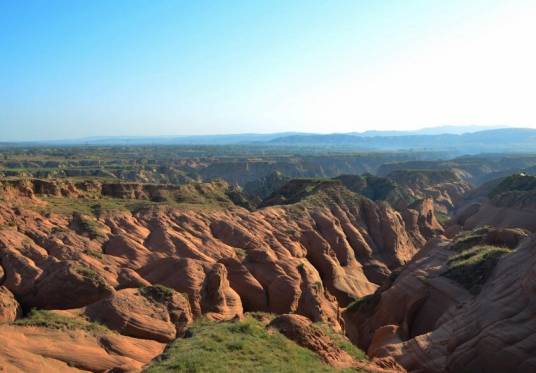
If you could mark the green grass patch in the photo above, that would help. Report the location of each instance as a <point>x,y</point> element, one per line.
<point>91,275</point>
<point>88,226</point>
<point>94,253</point>
<point>342,341</point>
<point>471,268</point>
<point>237,346</point>
<point>368,301</point>
<point>83,206</point>
<point>98,206</point>
<point>442,218</point>
<point>90,206</point>
<point>52,320</point>
<point>468,239</point>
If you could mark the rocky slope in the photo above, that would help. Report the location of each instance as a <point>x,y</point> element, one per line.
<point>505,202</point>
<point>477,169</point>
<point>464,304</point>
<point>445,187</point>
<point>143,261</point>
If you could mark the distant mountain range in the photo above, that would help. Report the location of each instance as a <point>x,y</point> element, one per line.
<point>496,140</point>
<point>440,130</point>
<point>460,139</point>
<point>175,140</point>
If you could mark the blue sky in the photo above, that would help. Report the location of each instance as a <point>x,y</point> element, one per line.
<point>98,68</point>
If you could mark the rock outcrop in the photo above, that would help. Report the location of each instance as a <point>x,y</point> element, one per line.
<point>300,330</point>
<point>445,187</point>
<point>154,313</point>
<point>10,309</point>
<point>218,300</point>
<point>431,323</point>
<point>67,284</point>
<point>508,202</point>
<point>31,349</point>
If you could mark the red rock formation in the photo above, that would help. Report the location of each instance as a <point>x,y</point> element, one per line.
<point>430,323</point>
<point>300,330</point>
<point>138,313</point>
<point>67,284</point>
<point>218,300</point>
<point>9,307</point>
<point>30,349</point>
<point>311,258</point>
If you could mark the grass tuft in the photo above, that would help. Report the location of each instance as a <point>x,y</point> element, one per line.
<point>91,275</point>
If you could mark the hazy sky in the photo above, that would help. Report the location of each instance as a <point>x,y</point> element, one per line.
<point>80,68</point>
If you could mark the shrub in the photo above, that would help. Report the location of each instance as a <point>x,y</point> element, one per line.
<point>157,293</point>
<point>94,253</point>
<point>88,226</point>
<point>442,218</point>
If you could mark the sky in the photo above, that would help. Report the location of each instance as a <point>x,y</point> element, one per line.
<point>76,68</point>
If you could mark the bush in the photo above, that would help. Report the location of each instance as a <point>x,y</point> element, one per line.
<point>157,293</point>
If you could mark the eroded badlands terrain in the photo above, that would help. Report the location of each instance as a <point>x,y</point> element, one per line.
<point>421,270</point>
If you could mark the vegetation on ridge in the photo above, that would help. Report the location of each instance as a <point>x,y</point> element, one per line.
<point>237,346</point>
<point>471,268</point>
<point>518,182</point>
<point>53,320</point>
<point>157,293</point>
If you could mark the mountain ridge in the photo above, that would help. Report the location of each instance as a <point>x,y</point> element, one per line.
<point>251,138</point>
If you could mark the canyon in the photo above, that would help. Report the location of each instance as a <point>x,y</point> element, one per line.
<point>421,269</point>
